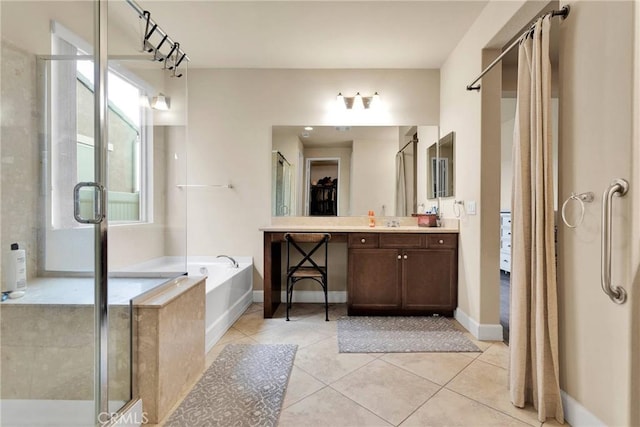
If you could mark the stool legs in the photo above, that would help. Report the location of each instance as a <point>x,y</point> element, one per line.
<point>326,304</point>
<point>291,282</point>
<point>289,296</point>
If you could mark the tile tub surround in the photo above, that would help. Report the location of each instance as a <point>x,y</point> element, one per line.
<point>47,347</point>
<point>47,351</point>
<point>170,344</point>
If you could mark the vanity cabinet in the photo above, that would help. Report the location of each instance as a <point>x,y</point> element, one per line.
<point>402,273</point>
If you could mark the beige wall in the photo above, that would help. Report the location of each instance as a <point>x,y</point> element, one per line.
<point>231,113</point>
<point>596,118</point>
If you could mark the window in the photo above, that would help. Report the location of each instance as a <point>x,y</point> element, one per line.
<point>72,137</point>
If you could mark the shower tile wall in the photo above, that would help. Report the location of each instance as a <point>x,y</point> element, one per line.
<point>20,164</point>
<point>47,352</point>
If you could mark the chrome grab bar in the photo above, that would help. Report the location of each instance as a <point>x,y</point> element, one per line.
<point>617,294</point>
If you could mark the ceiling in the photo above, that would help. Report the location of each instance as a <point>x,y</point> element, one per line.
<point>315,34</point>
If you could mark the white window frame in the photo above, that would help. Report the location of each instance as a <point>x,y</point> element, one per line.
<point>145,164</point>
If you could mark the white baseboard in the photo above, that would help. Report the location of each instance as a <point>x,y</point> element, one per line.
<point>576,414</point>
<point>486,332</point>
<point>335,297</point>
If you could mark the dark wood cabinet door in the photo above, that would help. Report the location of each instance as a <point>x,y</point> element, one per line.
<point>429,280</point>
<point>374,280</point>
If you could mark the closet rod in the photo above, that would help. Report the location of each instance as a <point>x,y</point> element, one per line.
<point>564,12</point>
<point>140,11</point>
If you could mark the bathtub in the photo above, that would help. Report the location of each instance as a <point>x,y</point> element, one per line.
<point>229,290</point>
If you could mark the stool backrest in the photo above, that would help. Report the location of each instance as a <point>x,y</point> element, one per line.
<point>294,239</point>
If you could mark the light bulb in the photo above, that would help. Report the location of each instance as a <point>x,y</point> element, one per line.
<point>357,102</point>
<point>375,101</point>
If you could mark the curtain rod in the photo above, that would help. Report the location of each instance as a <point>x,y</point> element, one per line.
<point>563,13</point>
<point>405,146</point>
<point>140,11</point>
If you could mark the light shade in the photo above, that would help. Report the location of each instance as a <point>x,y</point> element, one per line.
<point>357,102</point>
<point>159,103</point>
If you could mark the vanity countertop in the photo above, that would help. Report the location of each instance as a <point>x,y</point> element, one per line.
<point>357,229</point>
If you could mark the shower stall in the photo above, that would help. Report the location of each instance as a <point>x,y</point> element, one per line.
<point>90,188</point>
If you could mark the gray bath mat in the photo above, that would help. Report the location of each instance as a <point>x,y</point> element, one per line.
<point>244,386</point>
<point>362,334</point>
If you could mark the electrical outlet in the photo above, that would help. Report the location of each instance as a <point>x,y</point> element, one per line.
<point>471,207</point>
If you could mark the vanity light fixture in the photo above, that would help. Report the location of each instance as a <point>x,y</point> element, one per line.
<point>357,102</point>
<point>308,128</point>
<point>160,103</point>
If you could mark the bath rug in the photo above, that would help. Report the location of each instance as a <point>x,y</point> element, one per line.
<point>244,386</point>
<point>381,334</point>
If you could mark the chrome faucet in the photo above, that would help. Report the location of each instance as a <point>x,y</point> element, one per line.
<point>235,263</point>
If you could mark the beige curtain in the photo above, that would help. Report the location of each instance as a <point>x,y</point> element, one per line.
<point>533,376</point>
<point>401,187</point>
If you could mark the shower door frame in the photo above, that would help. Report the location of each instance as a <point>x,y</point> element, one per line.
<point>101,321</point>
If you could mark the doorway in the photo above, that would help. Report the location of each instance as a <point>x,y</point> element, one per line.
<point>508,116</point>
<point>321,186</point>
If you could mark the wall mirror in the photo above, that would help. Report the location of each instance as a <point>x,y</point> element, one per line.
<point>349,170</point>
<point>441,167</point>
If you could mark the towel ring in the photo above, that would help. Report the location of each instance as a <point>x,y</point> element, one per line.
<point>580,198</point>
<point>457,211</point>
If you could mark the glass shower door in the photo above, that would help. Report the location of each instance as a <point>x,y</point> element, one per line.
<point>48,332</point>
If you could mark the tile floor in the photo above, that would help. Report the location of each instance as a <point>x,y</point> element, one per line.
<point>327,388</point>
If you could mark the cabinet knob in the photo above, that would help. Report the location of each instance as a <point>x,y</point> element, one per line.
<point>399,256</point>
<point>363,240</point>
<point>405,257</point>
<point>441,241</point>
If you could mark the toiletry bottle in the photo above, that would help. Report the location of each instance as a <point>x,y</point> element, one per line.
<point>372,219</point>
<point>16,272</point>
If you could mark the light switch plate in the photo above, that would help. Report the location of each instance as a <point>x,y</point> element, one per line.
<point>471,207</point>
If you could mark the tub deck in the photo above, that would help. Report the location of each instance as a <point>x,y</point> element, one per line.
<point>80,290</point>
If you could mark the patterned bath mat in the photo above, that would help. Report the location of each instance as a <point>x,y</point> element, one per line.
<point>400,335</point>
<point>244,386</point>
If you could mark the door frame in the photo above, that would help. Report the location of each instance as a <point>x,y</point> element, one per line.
<point>307,181</point>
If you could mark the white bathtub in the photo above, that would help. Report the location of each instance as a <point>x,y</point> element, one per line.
<point>229,290</point>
